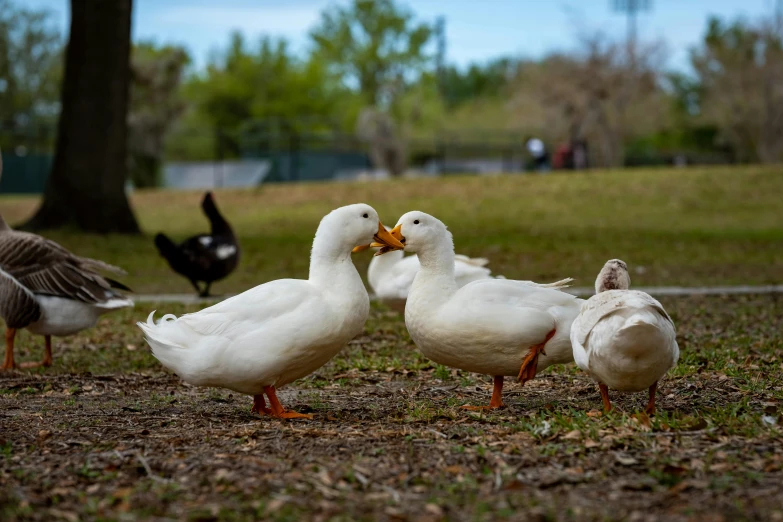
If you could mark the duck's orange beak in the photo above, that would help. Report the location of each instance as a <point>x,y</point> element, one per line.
<point>384,240</point>
<point>395,241</point>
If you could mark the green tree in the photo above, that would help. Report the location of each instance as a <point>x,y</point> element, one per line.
<point>30,64</point>
<point>375,45</point>
<point>477,81</point>
<point>268,83</point>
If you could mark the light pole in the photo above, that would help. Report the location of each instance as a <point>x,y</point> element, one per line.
<point>631,8</point>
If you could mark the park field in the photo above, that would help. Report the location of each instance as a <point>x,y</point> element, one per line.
<point>696,226</point>
<point>108,434</point>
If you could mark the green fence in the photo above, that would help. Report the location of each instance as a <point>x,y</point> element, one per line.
<point>304,165</point>
<point>25,174</point>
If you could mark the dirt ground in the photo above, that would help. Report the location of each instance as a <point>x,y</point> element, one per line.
<point>127,441</point>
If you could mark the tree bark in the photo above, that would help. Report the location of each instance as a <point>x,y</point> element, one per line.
<point>86,188</point>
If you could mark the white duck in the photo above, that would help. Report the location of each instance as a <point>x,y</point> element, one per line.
<point>279,331</point>
<point>493,326</point>
<point>391,275</point>
<point>623,338</point>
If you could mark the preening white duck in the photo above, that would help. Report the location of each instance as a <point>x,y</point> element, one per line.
<point>624,338</point>
<point>280,331</point>
<point>493,326</point>
<point>391,275</point>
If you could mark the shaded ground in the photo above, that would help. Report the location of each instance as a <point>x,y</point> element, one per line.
<point>105,434</point>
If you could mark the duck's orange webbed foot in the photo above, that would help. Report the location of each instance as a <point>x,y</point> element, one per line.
<point>288,414</point>
<point>277,409</point>
<point>528,369</point>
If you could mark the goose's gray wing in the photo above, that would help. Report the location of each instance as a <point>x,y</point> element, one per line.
<point>18,306</point>
<point>44,267</point>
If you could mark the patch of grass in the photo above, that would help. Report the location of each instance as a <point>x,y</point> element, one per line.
<point>674,226</point>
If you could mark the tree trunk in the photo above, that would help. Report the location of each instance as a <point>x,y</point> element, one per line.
<point>86,188</point>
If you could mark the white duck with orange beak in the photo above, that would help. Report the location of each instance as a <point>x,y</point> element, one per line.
<point>279,331</point>
<point>496,327</point>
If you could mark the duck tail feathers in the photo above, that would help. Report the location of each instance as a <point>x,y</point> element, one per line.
<point>162,335</point>
<point>475,261</point>
<point>100,266</point>
<point>557,285</point>
<point>166,247</point>
<point>116,284</point>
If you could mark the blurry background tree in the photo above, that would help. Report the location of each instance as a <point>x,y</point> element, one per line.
<point>374,45</point>
<point>30,67</point>
<point>370,73</point>
<point>86,187</point>
<point>155,105</point>
<point>378,47</point>
<point>595,94</point>
<point>477,81</point>
<point>740,75</point>
<point>386,142</point>
<point>268,82</point>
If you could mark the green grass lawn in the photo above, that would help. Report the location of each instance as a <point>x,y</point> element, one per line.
<point>673,226</point>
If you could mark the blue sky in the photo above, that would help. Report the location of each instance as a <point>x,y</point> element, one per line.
<point>476,30</point>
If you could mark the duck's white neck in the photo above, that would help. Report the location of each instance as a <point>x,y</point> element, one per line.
<point>436,277</point>
<point>331,266</point>
<point>380,266</point>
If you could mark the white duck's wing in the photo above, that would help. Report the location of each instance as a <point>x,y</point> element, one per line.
<point>513,313</point>
<point>628,339</point>
<point>283,299</point>
<point>518,293</point>
<point>273,333</point>
<point>610,302</point>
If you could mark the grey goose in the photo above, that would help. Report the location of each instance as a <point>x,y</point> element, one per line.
<point>50,291</point>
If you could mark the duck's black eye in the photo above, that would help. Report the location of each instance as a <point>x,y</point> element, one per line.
<point>365,215</point>
<point>416,222</point>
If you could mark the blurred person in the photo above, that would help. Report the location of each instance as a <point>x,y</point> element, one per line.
<point>540,156</point>
<point>563,157</point>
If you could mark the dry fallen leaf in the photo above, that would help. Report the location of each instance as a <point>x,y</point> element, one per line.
<point>433,509</point>
<point>70,516</point>
<point>625,460</point>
